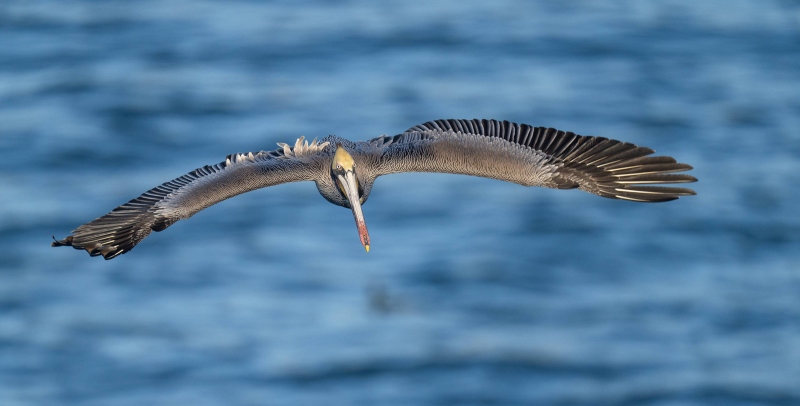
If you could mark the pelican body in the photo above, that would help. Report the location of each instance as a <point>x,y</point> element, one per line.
<point>344,172</point>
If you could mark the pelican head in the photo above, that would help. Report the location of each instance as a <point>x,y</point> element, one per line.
<point>343,171</point>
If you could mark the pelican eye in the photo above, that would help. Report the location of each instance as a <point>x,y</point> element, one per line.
<point>338,167</point>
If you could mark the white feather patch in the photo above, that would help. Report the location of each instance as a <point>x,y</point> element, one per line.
<point>302,147</point>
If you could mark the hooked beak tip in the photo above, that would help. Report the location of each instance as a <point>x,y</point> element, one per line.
<point>366,247</point>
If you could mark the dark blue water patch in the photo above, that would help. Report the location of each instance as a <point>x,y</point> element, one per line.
<point>746,242</point>
<point>743,320</point>
<point>177,103</point>
<point>76,363</point>
<point>165,276</point>
<point>531,367</point>
<point>12,302</point>
<point>469,381</point>
<point>717,394</point>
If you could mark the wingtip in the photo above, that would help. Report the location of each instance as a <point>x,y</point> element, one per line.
<point>66,242</point>
<point>94,250</point>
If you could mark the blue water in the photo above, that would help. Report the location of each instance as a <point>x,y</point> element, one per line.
<point>475,291</point>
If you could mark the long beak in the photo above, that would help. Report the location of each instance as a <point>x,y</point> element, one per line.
<point>351,188</point>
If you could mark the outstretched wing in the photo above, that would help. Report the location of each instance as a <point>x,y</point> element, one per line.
<point>534,156</point>
<point>121,229</point>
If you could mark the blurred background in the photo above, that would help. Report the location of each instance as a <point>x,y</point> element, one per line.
<point>475,291</point>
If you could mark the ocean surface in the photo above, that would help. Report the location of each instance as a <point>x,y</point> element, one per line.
<point>475,292</point>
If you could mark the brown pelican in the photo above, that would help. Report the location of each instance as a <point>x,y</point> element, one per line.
<point>344,172</point>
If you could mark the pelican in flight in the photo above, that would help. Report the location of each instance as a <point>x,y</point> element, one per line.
<point>345,171</point>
